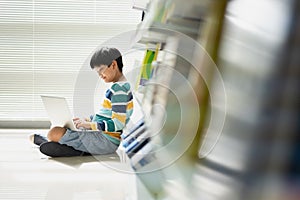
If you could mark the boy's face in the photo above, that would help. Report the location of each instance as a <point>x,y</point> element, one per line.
<point>107,73</point>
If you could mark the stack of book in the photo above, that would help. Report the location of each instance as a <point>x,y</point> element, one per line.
<point>136,142</point>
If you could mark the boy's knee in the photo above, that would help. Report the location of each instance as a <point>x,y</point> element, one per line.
<point>56,133</point>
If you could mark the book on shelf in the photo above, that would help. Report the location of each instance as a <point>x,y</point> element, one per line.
<point>147,67</point>
<point>137,140</point>
<point>133,136</point>
<point>142,157</point>
<point>136,146</point>
<point>128,132</point>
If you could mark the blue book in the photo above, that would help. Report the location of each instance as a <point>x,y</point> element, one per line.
<point>137,147</point>
<point>140,123</point>
<point>142,157</point>
<point>144,135</point>
<point>128,140</point>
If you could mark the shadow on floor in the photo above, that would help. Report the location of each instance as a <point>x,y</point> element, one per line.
<point>77,161</point>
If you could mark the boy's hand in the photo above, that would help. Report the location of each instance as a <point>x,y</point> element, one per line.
<point>81,123</point>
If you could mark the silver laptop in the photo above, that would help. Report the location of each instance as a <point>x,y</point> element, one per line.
<point>58,111</point>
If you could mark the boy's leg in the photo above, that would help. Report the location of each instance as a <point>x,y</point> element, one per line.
<point>56,133</point>
<point>37,139</point>
<point>55,149</point>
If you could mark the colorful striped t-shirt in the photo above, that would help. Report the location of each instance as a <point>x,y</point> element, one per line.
<point>115,111</point>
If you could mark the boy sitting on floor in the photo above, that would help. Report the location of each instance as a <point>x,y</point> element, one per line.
<point>104,127</point>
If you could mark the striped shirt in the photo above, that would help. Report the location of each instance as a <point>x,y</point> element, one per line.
<point>115,111</point>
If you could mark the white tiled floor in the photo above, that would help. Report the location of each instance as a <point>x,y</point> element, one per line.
<point>27,174</point>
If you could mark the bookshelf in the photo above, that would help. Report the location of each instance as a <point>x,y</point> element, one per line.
<point>164,148</point>
<point>255,45</point>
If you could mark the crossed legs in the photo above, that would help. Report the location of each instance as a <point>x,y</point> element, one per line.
<point>54,149</point>
<point>50,146</point>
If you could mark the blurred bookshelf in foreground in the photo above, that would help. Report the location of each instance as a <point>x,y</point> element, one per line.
<point>220,121</point>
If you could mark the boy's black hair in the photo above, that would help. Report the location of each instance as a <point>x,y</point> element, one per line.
<point>105,56</point>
